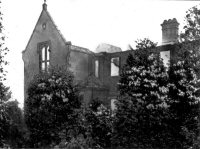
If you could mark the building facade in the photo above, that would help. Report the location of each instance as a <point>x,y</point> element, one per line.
<point>97,72</point>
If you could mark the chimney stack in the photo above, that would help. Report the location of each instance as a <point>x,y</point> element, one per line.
<point>170,31</point>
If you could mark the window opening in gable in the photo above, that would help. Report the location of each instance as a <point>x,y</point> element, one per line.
<point>44,26</point>
<point>44,50</point>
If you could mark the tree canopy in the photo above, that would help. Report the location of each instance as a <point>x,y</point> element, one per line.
<point>142,106</point>
<point>184,87</point>
<point>51,106</point>
<point>191,29</point>
<point>158,107</point>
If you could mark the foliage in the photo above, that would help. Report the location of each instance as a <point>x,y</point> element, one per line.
<point>74,145</point>
<point>99,124</point>
<point>142,108</point>
<point>4,122</point>
<point>189,59</point>
<point>184,94</point>
<point>16,130</point>
<point>51,106</point>
<point>54,114</point>
<point>93,128</point>
<point>158,107</point>
<point>3,89</point>
<point>192,24</point>
<point>145,44</point>
<point>3,50</point>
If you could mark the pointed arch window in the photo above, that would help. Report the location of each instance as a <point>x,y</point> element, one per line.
<point>44,56</point>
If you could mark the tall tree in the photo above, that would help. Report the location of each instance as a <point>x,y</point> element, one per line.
<point>159,107</point>
<point>191,32</point>
<point>184,87</point>
<point>3,89</point>
<point>51,106</point>
<point>142,107</point>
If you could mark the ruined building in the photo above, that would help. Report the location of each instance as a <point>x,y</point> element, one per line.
<point>98,72</point>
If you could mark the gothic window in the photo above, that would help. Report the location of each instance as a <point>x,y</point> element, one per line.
<point>97,68</point>
<point>44,56</point>
<point>115,66</point>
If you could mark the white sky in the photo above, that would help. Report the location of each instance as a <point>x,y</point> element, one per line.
<point>85,23</point>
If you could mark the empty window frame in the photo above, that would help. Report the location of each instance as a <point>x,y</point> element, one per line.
<point>114,66</point>
<point>165,55</point>
<point>113,104</point>
<point>44,56</point>
<point>97,68</point>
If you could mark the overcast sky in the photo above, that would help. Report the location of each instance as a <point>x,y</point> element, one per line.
<point>85,23</point>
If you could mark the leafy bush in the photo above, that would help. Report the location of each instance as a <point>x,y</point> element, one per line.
<point>51,106</point>
<point>99,124</point>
